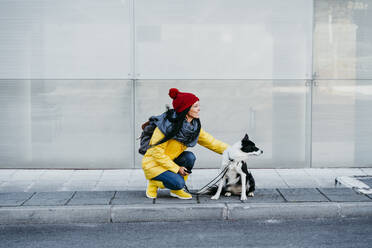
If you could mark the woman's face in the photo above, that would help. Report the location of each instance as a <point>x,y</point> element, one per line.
<point>194,111</point>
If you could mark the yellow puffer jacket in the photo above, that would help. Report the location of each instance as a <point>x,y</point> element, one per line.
<point>160,158</point>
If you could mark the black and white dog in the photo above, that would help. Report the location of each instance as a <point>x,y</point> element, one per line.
<point>237,176</point>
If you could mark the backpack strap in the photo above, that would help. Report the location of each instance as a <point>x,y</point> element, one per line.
<point>145,125</point>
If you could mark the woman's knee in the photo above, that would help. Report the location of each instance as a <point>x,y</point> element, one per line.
<point>180,185</point>
<point>190,157</point>
<point>186,159</point>
<point>171,180</point>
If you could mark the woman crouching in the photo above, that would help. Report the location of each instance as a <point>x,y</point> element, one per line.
<point>166,164</point>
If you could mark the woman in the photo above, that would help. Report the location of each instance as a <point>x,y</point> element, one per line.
<point>166,162</point>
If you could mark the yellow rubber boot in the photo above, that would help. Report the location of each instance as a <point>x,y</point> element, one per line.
<point>181,194</point>
<point>152,188</point>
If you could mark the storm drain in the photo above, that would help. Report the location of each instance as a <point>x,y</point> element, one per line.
<point>361,184</point>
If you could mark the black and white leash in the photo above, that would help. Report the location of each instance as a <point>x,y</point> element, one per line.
<point>211,183</point>
<point>208,185</point>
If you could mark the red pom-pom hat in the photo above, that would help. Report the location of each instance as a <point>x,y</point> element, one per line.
<point>182,100</point>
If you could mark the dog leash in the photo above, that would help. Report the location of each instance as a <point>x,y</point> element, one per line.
<point>207,186</point>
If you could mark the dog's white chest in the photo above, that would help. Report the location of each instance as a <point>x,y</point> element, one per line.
<point>232,173</point>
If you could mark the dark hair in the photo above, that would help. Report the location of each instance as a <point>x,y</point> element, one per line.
<point>177,124</point>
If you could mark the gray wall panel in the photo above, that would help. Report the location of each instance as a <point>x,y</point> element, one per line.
<point>342,121</point>
<point>271,112</point>
<point>65,39</point>
<point>342,39</point>
<point>66,124</point>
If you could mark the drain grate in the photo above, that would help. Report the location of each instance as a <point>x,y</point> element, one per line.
<point>362,184</point>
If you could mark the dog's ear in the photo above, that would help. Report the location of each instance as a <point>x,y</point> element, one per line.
<point>246,137</point>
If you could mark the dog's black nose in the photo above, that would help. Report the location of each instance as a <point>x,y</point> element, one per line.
<point>261,152</point>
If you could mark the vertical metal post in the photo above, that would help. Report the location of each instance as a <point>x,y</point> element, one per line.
<point>133,77</point>
<point>311,90</point>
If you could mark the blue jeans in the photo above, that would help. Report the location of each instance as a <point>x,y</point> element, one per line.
<point>173,180</point>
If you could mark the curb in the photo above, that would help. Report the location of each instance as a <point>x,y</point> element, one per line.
<point>181,212</point>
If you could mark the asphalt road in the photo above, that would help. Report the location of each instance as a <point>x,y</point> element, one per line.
<point>347,232</point>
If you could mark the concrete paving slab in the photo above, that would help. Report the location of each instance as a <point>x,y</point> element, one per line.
<point>266,196</point>
<point>268,178</point>
<point>116,175</point>
<point>343,195</point>
<point>26,175</point>
<point>112,183</point>
<point>49,199</point>
<point>58,175</point>
<point>130,197</point>
<point>137,182</point>
<point>347,171</point>
<point>368,171</point>
<point>74,182</point>
<point>206,199</point>
<point>261,195</point>
<point>46,186</point>
<point>92,198</point>
<point>324,177</point>
<point>165,198</point>
<point>109,188</point>
<point>87,175</point>
<point>303,195</point>
<point>6,174</point>
<point>297,178</point>
<point>80,188</point>
<point>80,185</point>
<point>16,186</point>
<point>14,198</point>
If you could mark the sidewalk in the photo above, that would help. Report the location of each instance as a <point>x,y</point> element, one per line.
<point>99,196</point>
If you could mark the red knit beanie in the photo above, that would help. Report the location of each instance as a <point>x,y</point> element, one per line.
<point>182,100</point>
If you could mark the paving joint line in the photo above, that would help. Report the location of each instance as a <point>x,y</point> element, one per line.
<point>315,179</point>
<point>285,200</point>
<point>324,194</point>
<point>112,198</point>
<point>34,193</point>
<point>285,182</point>
<point>68,201</point>
<point>30,186</point>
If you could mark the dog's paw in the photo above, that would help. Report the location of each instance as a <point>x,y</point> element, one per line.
<point>243,198</point>
<point>215,197</point>
<point>250,194</point>
<point>228,194</point>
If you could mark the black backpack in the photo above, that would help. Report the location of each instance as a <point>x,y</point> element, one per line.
<point>147,131</point>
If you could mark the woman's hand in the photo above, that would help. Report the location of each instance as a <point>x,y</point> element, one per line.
<point>182,171</point>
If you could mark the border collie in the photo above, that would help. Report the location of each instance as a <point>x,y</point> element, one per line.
<point>235,180</point>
